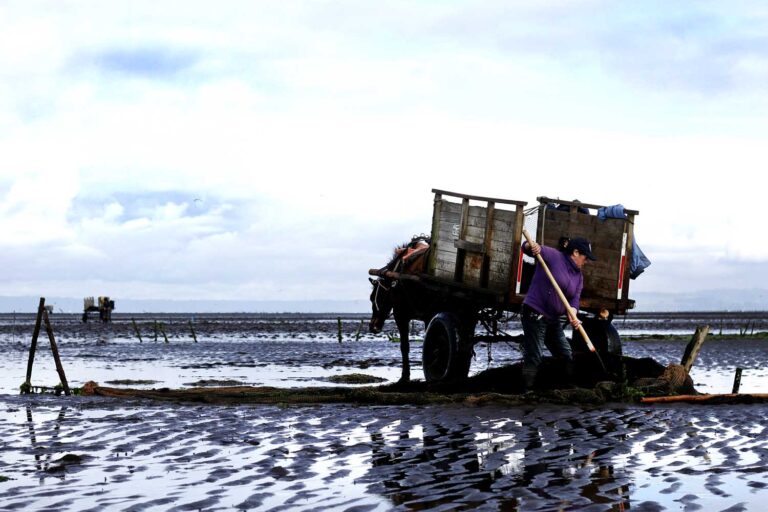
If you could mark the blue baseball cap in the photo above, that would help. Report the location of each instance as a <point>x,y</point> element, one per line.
<point>583,246</point>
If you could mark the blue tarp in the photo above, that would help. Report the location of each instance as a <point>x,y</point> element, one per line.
<point>638,261</point>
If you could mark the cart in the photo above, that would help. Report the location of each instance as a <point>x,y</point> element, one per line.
<point>477,271</point>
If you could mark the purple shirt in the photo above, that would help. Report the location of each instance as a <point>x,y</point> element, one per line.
<point>542,296</point>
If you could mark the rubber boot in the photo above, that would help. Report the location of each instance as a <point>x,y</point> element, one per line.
<point>528,377</point>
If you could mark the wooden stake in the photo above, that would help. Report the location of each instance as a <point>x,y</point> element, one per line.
<point>338,319</point>
<point>192,328</point>
<point>35,334</point>
<point>136,328</point>
<point>55,351</point>
<point>359,327</point>
<point>692,350</point>
<point>736,381</point>
<point>162,330</point>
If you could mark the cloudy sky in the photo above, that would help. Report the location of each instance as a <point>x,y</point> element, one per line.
<point>277,150</point>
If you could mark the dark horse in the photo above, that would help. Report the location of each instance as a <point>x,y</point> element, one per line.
<point>404,298</point>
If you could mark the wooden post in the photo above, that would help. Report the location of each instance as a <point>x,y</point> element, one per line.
<point>192,328</point>
<point>136,328</point>
<point>35,334</point>
<point>155,330</point>
<point>359,327</point>
<point>162,330</point>
<point>338,319</point>
<point>736,381</point>
<point>692,350</point>
<point>55,351</point>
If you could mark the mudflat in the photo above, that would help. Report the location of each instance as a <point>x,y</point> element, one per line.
<point>97,453</point>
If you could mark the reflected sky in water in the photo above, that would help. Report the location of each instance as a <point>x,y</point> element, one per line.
<point>96,454</point>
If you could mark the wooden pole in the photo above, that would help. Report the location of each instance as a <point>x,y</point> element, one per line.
<point>55,351</point>
<point>162,330</point>
<point>736,381</point>
<point>155,330</point>
<point>338,319</point>
<point>136,328</point>
<point>561,295</point>
<point>192,328</point>
<point>693,347</point>
<point>359,327</point>
<point>722,398</point>
<point>35,334</point>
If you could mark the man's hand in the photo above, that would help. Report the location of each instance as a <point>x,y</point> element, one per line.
<point>572,316</point>
<point>535,248</point>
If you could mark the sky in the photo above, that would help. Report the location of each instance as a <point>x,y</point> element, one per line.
<point>278,150</point>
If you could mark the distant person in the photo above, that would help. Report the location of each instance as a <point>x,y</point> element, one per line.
<point>542,307</point>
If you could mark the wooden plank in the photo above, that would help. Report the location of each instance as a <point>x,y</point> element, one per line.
<point>461,255</point>
<point>548,200</point>
<point>435,234</point>
<point>446,234</point>
<point>472,271</point>
<point>476,222</point>
<point>465,245</point>
<point>479,198</point>
<point>445,264</point>
<point>443,274</point>
<point>474,234</point>
<point>447,252</point>
<point>502,248</point>
<point>725,398</point>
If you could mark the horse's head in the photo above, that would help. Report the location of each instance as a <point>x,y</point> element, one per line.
<point>381,303</point>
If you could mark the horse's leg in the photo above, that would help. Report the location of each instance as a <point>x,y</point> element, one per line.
<point>403,326</point>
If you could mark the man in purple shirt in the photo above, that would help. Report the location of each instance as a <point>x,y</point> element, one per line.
<point>542,307</point>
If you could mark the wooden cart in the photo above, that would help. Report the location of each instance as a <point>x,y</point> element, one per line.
<point>477,270</point>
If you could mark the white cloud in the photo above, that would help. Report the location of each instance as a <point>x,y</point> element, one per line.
<point>280,150</point>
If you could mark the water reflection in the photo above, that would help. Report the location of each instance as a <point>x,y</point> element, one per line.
<point>43,464</point>
<point>513,463</point>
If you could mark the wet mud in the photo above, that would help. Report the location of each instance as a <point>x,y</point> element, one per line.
<point>105,453</point>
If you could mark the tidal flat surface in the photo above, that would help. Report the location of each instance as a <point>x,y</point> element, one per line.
<point>92,453</point>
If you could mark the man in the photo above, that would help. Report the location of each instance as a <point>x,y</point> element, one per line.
<point>542,306</point>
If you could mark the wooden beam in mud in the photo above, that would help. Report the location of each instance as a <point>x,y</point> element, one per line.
<point>725,398</point>
<point>55,351</point>
<point>693,347</point>
<point>136,328</point>
<point>35,334</point>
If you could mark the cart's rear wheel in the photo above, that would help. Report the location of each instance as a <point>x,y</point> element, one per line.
<point>445,356</point>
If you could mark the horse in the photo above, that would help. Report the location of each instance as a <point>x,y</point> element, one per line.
<point>404,299</point>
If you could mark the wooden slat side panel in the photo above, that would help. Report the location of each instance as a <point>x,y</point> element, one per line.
<point>450,214</point>
<point>475,234</point>
<point>491,270</point>
<point>446,257</point>
<point>443,252</point>
<point>435,234</point>
<point>601,277</point>
<point>473,264</point>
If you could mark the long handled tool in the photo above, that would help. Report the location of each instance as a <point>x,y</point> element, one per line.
<point>560,294</point>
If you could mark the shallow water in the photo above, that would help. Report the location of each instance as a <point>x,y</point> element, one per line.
<point>90,453</point>
<point>95,454</point>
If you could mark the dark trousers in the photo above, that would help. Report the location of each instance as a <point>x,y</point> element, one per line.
<point>539,332</point>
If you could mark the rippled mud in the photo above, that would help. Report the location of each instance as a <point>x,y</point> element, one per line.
<point>97,453</point>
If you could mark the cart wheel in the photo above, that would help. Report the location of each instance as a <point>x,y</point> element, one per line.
<point>442,357</point>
